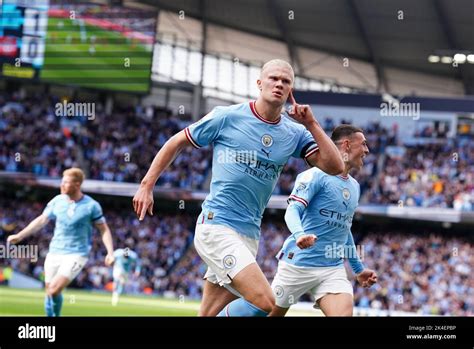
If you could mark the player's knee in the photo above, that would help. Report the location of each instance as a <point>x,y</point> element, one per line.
<point>267,304</point>
<point>49,290</point>
<point>53,290</point>
<point>264,301</point>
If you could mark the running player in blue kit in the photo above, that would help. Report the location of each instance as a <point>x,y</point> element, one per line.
<point>252,143</point>
<point>75,215</point>
<point>125,258</point>
<point>319,216</point>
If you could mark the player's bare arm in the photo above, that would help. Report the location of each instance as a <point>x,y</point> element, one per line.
<point>143,199</point>
<point>108,243</point>
<point>328,158</point>
<point>36,225</point>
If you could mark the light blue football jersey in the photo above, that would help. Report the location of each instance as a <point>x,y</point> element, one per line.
<point>248,156</point>
<point>124,263</point>
<point>327,204</point>
<point>73,223</point>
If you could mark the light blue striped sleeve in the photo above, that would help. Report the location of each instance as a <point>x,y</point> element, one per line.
<point>306,186</point>
<point>352,255</point>
<point>293,219</point>
<point>206,130</point>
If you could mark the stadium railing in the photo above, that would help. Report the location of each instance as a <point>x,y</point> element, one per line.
<point>278,202</point>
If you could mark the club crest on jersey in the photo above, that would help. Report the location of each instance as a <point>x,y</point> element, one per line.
<point>346,194</point>
<point>267,140</point>
<point>278,291</point>
<point>229,261</point>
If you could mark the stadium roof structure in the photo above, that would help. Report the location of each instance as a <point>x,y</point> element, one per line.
<point>399,34</point>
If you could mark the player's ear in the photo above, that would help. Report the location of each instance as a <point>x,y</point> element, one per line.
<point>259,84</point>
<point>347,144</point>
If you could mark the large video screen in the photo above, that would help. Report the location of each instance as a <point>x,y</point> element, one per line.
<point>74,43</point>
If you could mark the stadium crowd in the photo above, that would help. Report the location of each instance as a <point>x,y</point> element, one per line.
<point>429,274</point>
<point>117,147</point>
<point>31,137</point>
<point>121,146</point>
<point>429,175</point>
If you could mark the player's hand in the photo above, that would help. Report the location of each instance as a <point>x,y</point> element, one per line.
<point>109,259</point>
<point>306,241</point>
<point>14,239</point>
<point>367,278</point>
<point>301,112</point>
<point>143,202</point>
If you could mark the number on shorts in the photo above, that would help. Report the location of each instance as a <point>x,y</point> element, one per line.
<point>76,267</point>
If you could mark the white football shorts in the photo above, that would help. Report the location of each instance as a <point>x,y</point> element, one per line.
<point>291,282</point>
<point>67,265</point>
<point>225,251</point>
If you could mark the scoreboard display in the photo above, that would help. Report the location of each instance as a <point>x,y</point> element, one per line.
<point>80,44</point>
<point>23,26</point>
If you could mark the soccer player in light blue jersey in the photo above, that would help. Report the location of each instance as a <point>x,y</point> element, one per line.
<point>319,217</point>
<point>251,142</point>
<point>124,260</point>
<point>74,214</point>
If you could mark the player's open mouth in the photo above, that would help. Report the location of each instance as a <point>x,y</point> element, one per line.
<point>276,93</point>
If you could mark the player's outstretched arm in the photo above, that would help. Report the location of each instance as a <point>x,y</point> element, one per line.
<point>143,199</point>
<point>35,225</point>
<point>108,243</point>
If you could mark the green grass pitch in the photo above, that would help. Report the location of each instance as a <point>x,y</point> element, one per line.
<point>23,302</point>
<point>28,302</point>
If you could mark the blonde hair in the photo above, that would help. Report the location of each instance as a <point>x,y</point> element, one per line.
<point>280,63</point>
<point>76,173</point>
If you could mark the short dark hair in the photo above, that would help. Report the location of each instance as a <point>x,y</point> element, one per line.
<point>344,130</point>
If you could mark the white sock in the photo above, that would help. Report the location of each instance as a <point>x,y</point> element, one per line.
<point>115,298</point>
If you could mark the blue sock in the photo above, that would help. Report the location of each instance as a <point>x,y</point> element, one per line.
<point>57,304</point>
<point>48,306</point>
<point>119,288</point>
<point>240,307</point>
